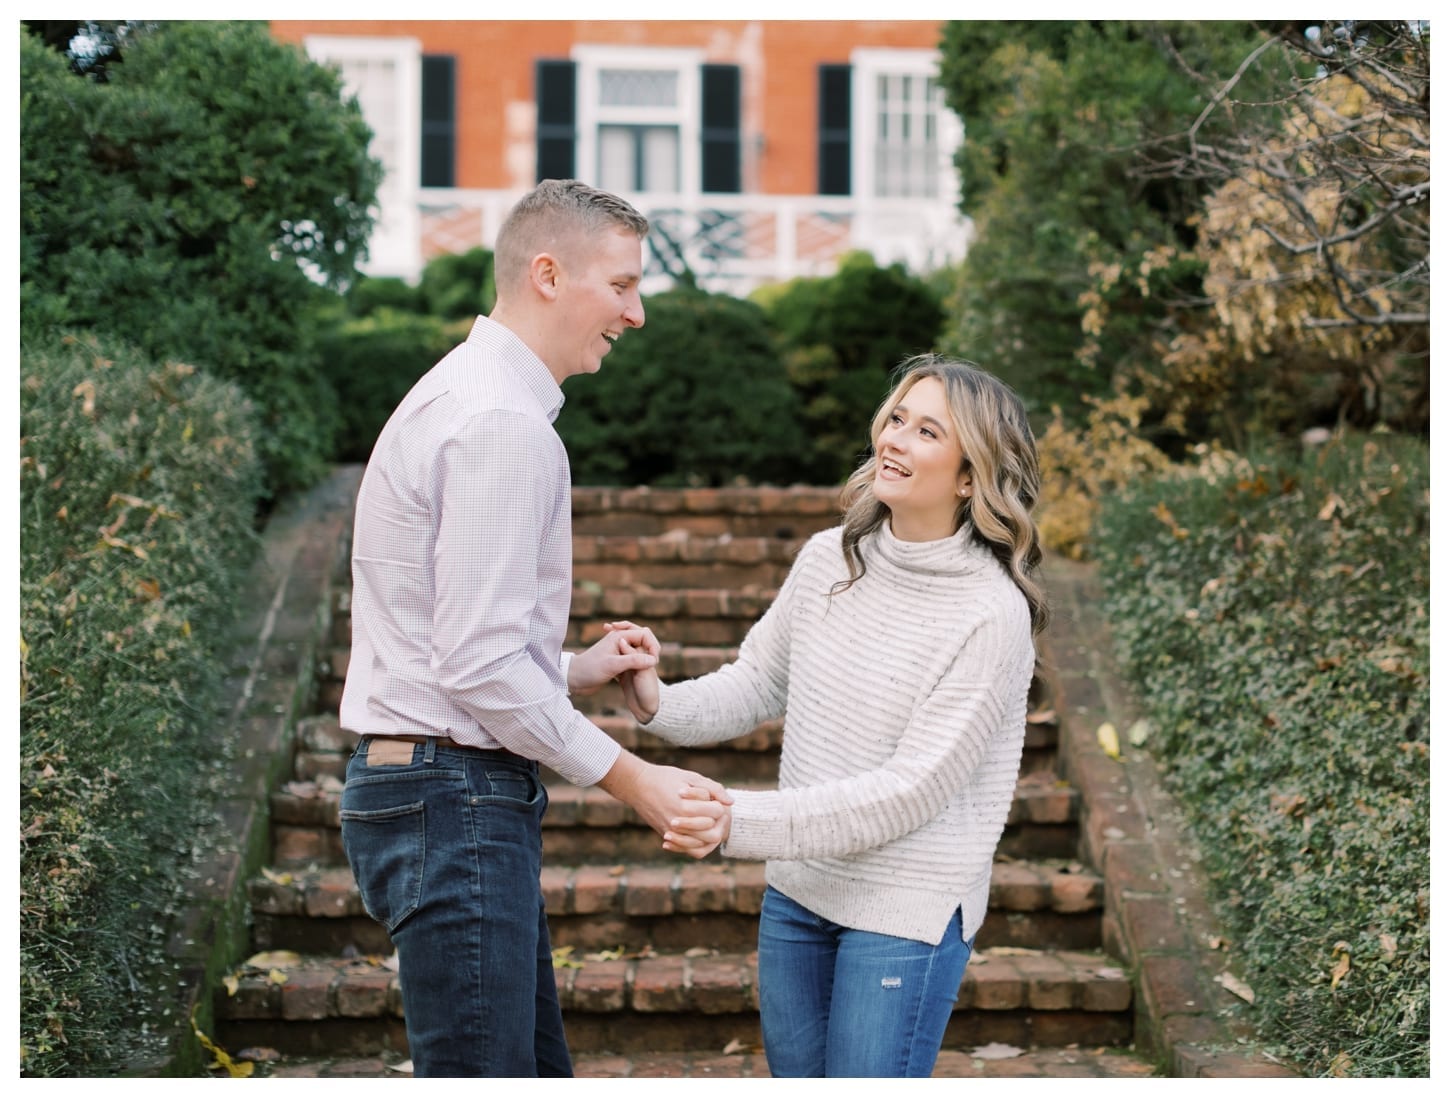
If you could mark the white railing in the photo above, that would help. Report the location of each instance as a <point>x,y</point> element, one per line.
<point>731,243</point>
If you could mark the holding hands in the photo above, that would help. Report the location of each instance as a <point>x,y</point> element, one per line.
<point>702,821</point>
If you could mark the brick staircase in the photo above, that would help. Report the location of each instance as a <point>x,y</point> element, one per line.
<point>656,952</point>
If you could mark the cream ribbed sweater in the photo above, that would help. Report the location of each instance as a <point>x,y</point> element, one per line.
<point>905,704</point>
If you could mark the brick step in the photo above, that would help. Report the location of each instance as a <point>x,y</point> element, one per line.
<point>670,906</point>
<point>703,616</point>
<point>954,1062</point>
<point>795,512</point>
<point>671,1002</point>
<point>678,559</point>
<point>677,662</point>
<point>588,826</point>
<point>323,748</point>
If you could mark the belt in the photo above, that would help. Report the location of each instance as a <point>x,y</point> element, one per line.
<point>445,741</point>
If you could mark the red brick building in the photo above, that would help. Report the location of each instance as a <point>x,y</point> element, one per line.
<point>760,149</point>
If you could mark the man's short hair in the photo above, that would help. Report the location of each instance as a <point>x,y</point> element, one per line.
<point>551,217</point>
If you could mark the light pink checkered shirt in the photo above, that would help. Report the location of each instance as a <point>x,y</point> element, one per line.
<point>461,565</point>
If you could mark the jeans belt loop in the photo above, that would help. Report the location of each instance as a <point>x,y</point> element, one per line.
<point>429,750</point>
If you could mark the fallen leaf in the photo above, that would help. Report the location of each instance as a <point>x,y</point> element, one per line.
<point>275,877</point>
<point>231,983</point>
<point>616,870</point>
<point>1389,945</point>
<point>1042,716</point>
<point>1138,733</point>
<point>1339,1067</point>
<point>220,1057</point>
<point>698,951</point>
<point>1108,740</point>
<point>275,958</point>
<point>996,1051</point>
<point>259,1055</point>
<point>564,957</point>
<point>1341,966</point>
<point>277,976</point>
<point>735,1045</point>
<point>1229,982</point>
<point>405,1066</point>
<point>607,955</point>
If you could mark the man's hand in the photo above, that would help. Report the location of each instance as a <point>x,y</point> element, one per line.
<point>689,807</point>
<point>625,648</point>
<point>641,688</point>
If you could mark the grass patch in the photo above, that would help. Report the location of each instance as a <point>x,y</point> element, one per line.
<point>1273,612</point>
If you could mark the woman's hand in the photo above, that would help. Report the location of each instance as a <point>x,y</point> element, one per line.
<point>641,685</point>
<point>698,835</point>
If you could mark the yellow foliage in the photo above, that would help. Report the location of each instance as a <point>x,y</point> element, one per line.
<point>1080,466</point>
<point>1266,294</point>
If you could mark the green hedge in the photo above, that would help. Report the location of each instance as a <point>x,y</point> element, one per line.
<point>1275,615</point>
<point>138,486</point>
<point>372,362</point>
<point>188,202</point>
<point>840,338</point>
<point>696,396</point>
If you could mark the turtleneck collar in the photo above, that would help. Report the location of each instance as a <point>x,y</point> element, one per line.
<point>958,554</point>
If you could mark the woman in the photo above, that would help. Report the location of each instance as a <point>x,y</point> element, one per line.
<point>899,651</point>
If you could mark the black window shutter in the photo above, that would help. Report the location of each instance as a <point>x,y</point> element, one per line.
<point>554,137</point>
<point>833,149</point>
<point>720,129</point>
<point>439,129</point>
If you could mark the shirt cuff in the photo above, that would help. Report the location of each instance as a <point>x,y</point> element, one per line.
<point>564,659</point>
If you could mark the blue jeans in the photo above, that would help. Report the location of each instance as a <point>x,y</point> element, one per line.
<point>446,847</point>
<point>843,1003</point>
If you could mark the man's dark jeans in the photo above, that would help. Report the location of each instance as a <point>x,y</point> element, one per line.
<point>445,843</point>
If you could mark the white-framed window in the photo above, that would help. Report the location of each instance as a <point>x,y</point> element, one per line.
<point>385,76</point>
<point>903,134</point>
<point>638,118</point>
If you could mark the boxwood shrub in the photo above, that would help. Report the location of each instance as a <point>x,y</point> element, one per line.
<point>138,486</point>
<point>696,396</point>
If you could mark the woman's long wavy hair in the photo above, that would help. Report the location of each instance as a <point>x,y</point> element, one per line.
<point>998,451</point>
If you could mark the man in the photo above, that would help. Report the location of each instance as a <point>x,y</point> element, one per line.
<point>458,683</point>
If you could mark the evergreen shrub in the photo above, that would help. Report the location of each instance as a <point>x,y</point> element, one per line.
<point>841,337</point>
<point>371,362</point>
<point>191,204</point>
<point>1274,613</point>
<point>138,485</point>
<point>696,396</point>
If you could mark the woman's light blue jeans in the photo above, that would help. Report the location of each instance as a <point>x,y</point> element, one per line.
<point>445,845</point>
<point>843,1003</point>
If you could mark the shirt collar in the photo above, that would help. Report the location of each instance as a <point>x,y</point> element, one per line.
<point>514,353</point>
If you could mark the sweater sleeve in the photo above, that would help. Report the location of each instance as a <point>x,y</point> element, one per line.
<point>743,694</point>
<point>945,741</point>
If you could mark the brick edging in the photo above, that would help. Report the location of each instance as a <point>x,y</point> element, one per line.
<point>276,642</point>
<point>1157,917</point>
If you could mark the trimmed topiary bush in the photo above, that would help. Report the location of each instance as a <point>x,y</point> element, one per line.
<point>372,362</point>
<point>696,396</point>
<point>840,338</point>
